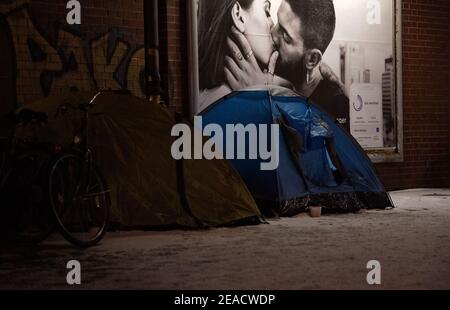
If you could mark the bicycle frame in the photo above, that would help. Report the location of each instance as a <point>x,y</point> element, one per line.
<point>85,125</point>
<point>74,181</point>
<point>80,141</point>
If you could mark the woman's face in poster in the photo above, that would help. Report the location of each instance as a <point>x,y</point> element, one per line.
<point>256,25</point>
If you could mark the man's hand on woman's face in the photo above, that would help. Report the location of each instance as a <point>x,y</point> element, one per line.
<point>242,69</point>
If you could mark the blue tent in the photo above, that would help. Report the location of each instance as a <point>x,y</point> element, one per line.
<point>319,162</point>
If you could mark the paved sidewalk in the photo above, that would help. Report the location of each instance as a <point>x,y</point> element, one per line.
<point>412,242</point>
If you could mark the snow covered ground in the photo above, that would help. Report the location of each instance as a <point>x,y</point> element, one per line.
<point>412,243</point>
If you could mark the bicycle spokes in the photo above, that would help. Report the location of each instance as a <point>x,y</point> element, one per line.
<point>80,200</point>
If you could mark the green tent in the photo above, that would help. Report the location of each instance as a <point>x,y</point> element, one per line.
<point>131,140</point>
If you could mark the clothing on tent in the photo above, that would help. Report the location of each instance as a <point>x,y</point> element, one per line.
<point>333,100</point>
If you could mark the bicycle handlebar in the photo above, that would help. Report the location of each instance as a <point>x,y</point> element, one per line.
<point>80,107</point>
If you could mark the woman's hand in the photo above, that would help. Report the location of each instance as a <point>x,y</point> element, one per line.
<point>242,69</point>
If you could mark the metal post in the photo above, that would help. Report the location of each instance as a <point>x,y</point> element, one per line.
<point>151,30</point>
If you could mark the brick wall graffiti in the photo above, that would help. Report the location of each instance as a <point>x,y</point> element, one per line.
<point>46,66</point>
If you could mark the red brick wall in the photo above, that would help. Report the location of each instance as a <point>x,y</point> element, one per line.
<point>7,72</point>
<point>98,16</point>
<point>426,84</point>
<point>426,98</point>
<point>107,47</point>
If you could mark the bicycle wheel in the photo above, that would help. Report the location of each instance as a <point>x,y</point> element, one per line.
<point>33,220</point>
<point>80,200</point>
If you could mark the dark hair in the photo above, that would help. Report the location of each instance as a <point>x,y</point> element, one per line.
<point>214,25</point>
<point>318,19</point>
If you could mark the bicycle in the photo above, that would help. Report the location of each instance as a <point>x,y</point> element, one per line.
<point>23,170</point>
<point>79,195</point>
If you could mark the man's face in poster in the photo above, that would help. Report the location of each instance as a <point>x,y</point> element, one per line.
<point>287,37</point>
